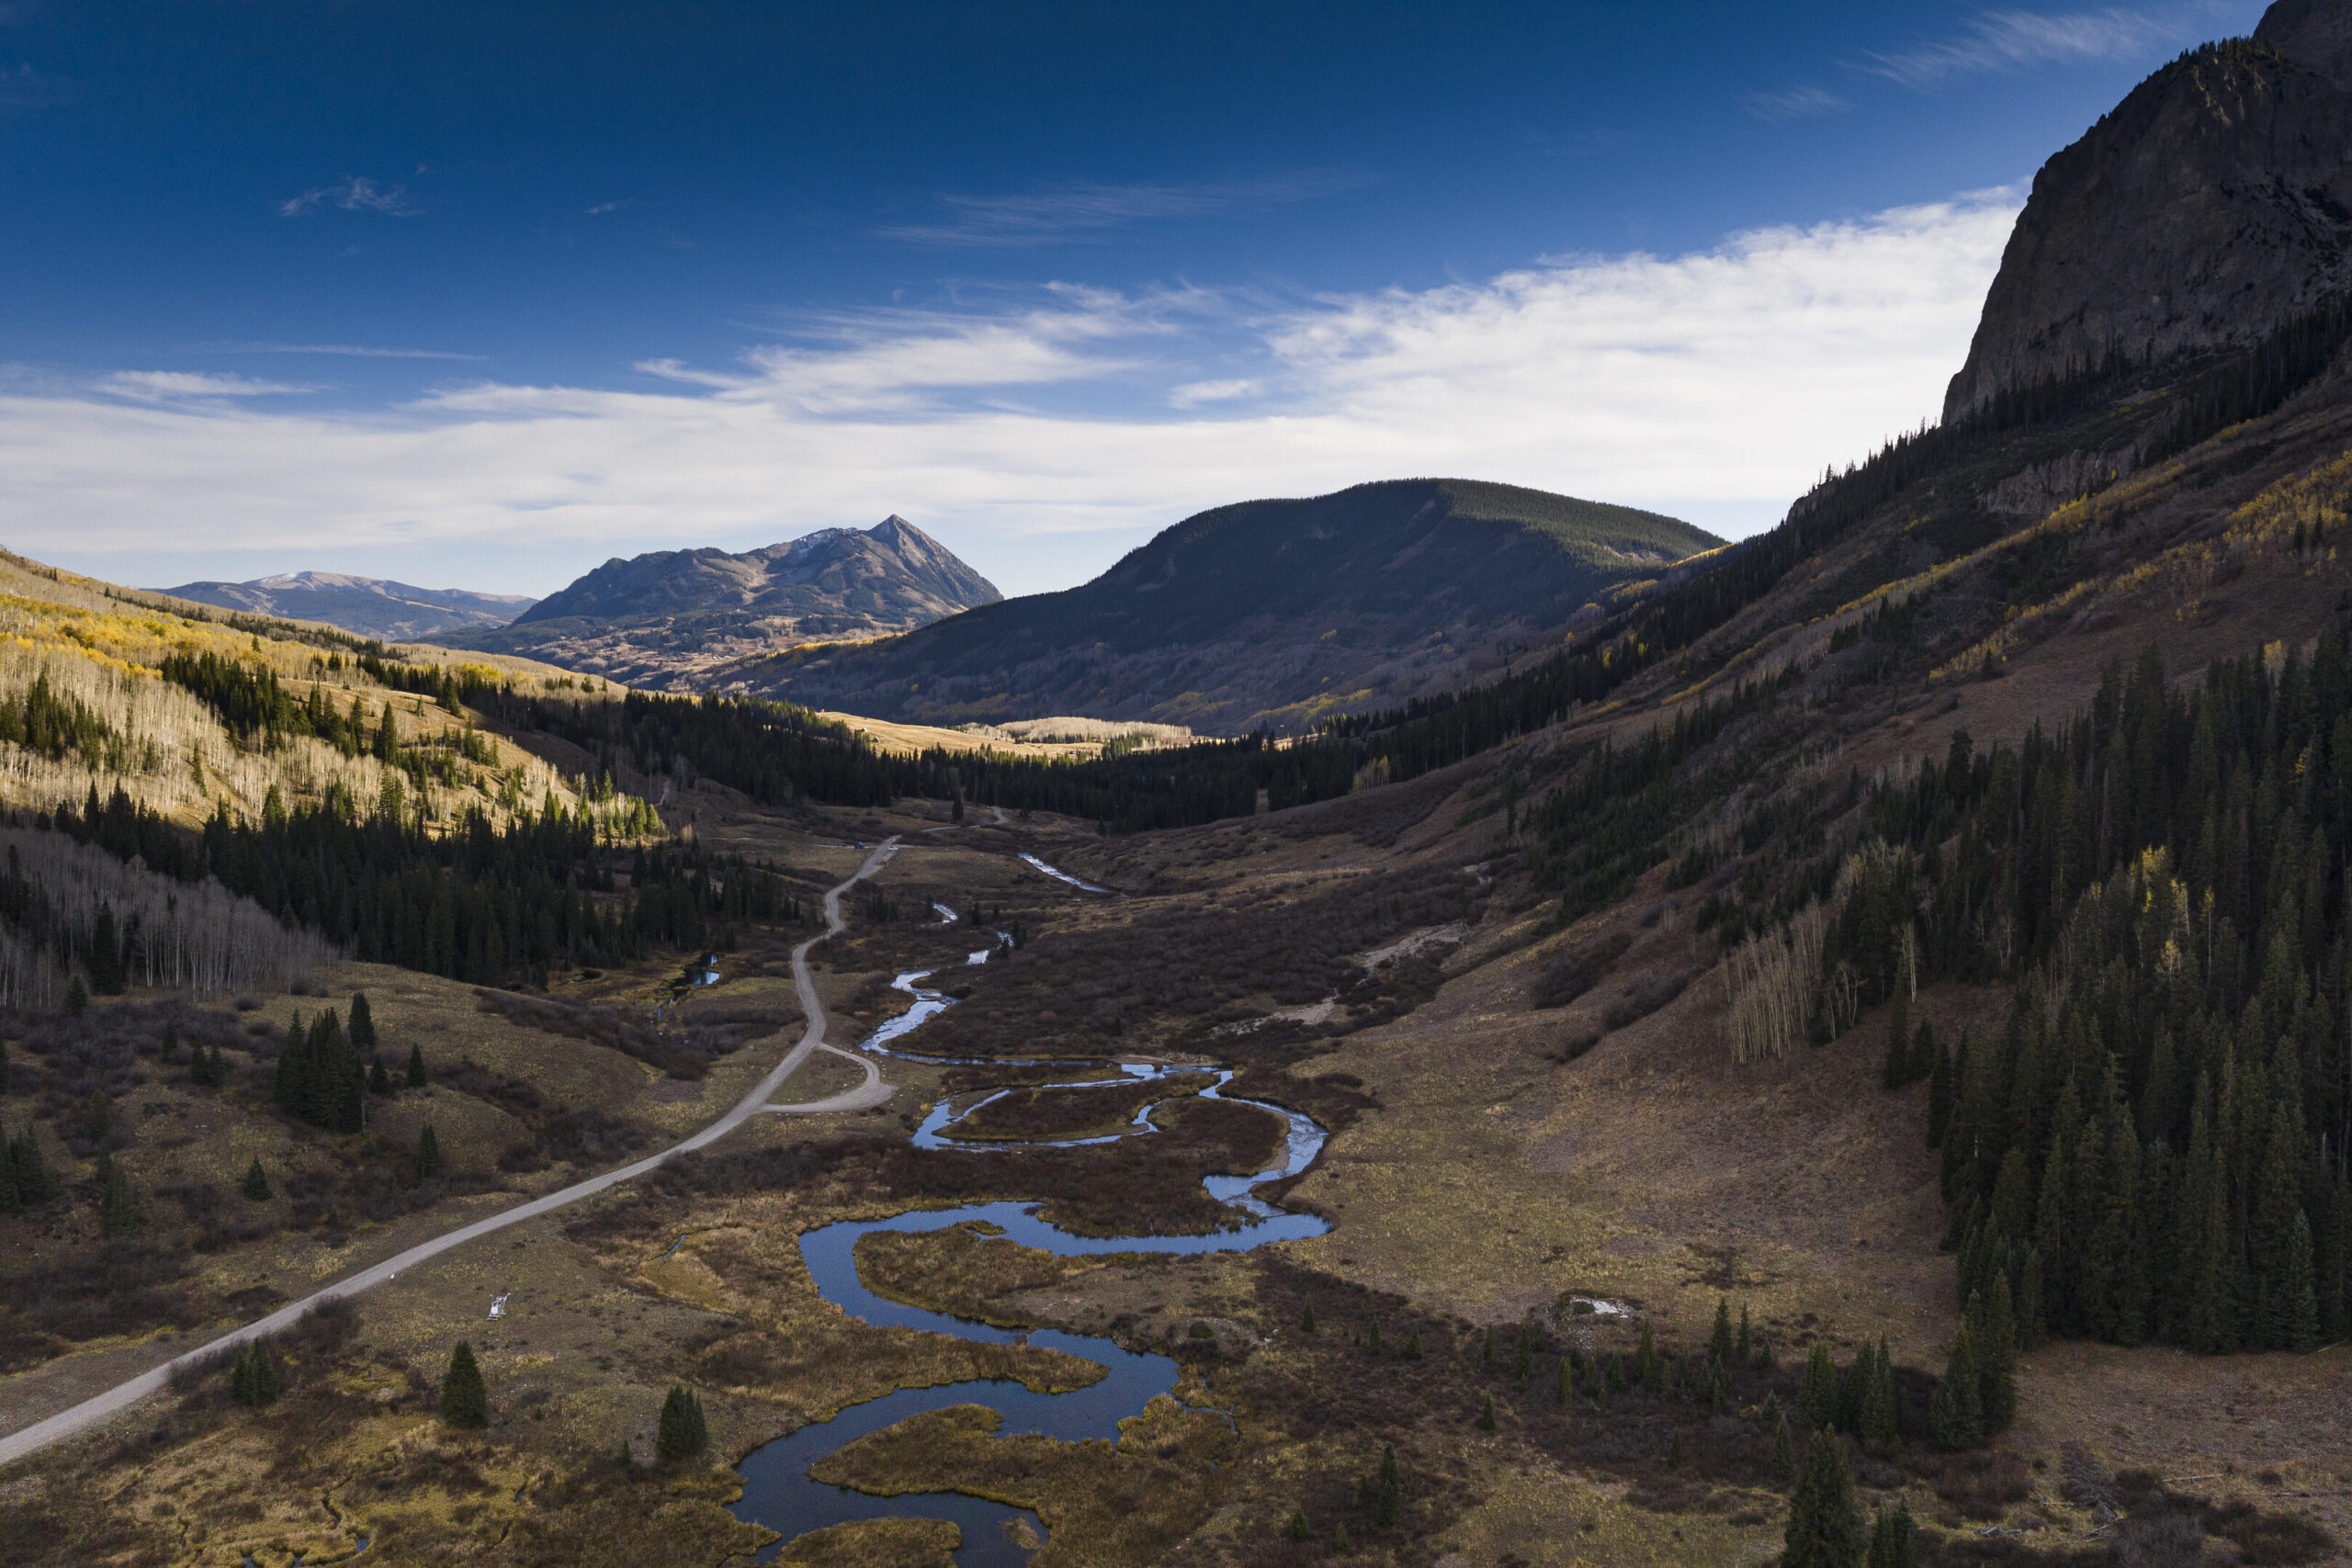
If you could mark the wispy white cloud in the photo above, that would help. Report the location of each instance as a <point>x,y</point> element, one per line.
<point>161,384</point>
<point>1193,394</point>
<point>604,206</point>
<point>354,194</point>
<point>1038,436</point>
<point>1088,210</point>
<point>347,350</point>
<point>1797,103</point>
<point>2008,40</point>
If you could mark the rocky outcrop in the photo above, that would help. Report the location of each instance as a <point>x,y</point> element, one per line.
<point>2211,205</point>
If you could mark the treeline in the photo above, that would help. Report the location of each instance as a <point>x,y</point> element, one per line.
<point>2154,1148</point>
<point>484,904</point>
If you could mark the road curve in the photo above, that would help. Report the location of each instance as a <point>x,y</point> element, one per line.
<point>41,1433</point>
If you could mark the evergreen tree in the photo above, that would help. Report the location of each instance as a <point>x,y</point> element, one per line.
<point>1523,1361</point>
<point>1895,1537</point>
<point>1373,1344</point>
<point>1646,1366</point>
<point>1818,1391</point>
<point>1824,1526</point>
<point>682,1433</point>
<point>379,1082</point>
<point>2299,1290</point>
<point>1994,1335</point>
<point>1487,1413</point>
<point>118,1204</point>
<point>1486,1347</point>
<point>256,1185</point>
<point>78,997</point>
<point>1955,1416</point>
<point>1388,1502</point>
<point>1307,1319</point>
<point>363,1024</point>
<point>465,1398</point>
<point>1567,1378</point>
<point>1744,1347</point>
<point>1879,1420</point>
<point>105,952</point>
<point>1412,1345</point>
<point>167,1050</point>
<point>415,1065</point>
<point>1297,1528</point>
<point>254,1378</point>
<point>1719,1344</point>
<point>1940,1098</point>
<point>1784,1452</point>
<point>35,1180</point>
<point>428,1153</point>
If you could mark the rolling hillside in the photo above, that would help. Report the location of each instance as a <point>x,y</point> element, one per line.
<point>1266,612</point>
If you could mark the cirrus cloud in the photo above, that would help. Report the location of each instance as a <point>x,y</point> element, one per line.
<point>1043,437</point>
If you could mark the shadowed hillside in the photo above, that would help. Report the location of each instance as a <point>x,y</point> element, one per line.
<point>1267,613</point>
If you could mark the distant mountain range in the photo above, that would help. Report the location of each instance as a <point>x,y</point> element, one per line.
<point>1265,613</point>
<point>677,618</point>
<point>371,607</point>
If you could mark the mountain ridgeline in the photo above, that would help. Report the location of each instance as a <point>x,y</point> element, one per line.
<point>1267,613</point>
<point>679,619</point>
<point>367,606</point>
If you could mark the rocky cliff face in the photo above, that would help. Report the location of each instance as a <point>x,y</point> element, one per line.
<point>2212,204</point>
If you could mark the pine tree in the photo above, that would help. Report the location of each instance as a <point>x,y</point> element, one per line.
<point>682,1433</point>
<point>415,1067</point>
<point>1487,1349</point>
<point>1297,1528</point>
<point>428,1153</point>
<point>1646,1366</point>
<point>363,1024</point>
<point>1412,1345</point>
<point>1955,1416</point>
<point>2299,1290</point>
<point>1307,1319</point>
<point>1880,1420</point>
<point>1388,1503</point>
<point>118,1204</point>
<point>379,1082</point>
<point>1784,1453</point>
<point>1817,1392</point>
<point>1522,1360</point>
<point>78,997</point>
<point>253,1378</point>
<point>35,1180</point>
<point>1487,1413</point>
<point>1340,1543</point>
<point>105,952</point>
<point>1719,1344</point>
<point>1744,1347</point>
<point>465,1398</point>
<point>256,1185</point>
<point>1825,1524</point>
<point>1895,1537</point>
<point>1994,1336</point>
<point>1567,1378</point>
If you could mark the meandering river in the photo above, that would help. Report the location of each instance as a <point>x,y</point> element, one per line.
<point>778,1490</point>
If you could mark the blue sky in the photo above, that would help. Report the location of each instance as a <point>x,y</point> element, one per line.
<point>479,294</point>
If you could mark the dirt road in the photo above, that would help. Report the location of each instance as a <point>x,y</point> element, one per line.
<point>40,1434</point>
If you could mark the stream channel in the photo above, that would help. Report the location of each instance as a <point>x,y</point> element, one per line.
<point>777,1489</point>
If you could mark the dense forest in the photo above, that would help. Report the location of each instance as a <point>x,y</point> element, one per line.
<point>481,903</point>
<point>2155,1146</point>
